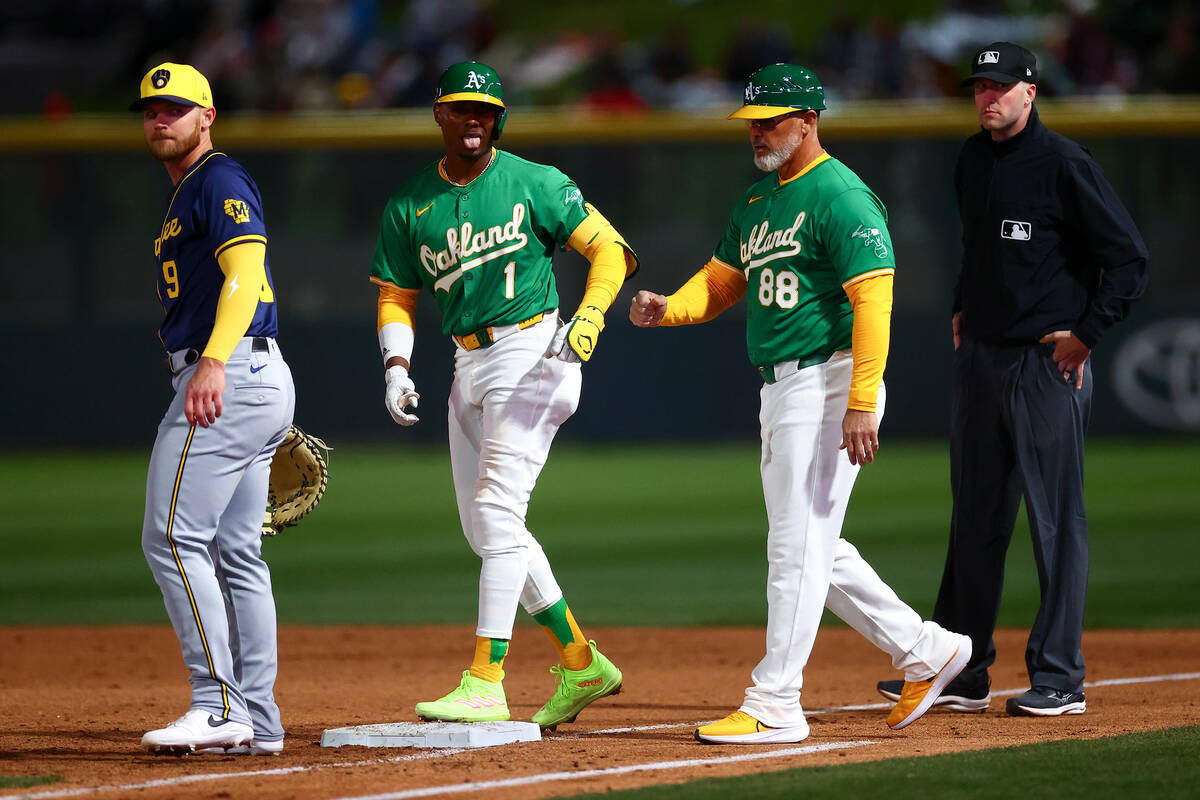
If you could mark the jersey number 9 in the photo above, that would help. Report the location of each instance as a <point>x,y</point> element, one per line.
<point>171,276</point>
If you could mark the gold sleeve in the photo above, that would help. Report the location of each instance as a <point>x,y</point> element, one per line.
<point>612,259</point>
<point>871,298</point>
<point>245,268</point>
<point>716,287</point>
<point>396,305</point>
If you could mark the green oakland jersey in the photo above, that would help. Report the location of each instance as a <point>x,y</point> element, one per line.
<point>799,242</point>
<point>485,249</point>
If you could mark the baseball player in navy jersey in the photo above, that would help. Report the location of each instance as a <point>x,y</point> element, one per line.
<point>478,229</point>
<point>207,483</point>
<point>810,243</point>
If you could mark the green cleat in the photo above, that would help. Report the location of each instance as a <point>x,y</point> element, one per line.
<point>475,700</point>
<point>579,689</point>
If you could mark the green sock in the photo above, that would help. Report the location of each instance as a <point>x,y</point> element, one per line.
<point>559,624</point>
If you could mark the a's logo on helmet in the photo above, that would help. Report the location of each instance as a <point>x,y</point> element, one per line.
<point>160,78</point>
<point>475,80</point>
<point>989,57</point>
<point>752,92</point>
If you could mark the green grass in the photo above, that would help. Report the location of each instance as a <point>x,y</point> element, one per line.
<point>25,781</point>
<point>1161,765</point>
<point>665,534</point>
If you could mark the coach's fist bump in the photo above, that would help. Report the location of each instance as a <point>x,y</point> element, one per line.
<point>647,309</point>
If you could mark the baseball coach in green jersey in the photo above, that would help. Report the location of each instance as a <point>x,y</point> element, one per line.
<point>808,246</point>
<point>478,229</point>
<point>234,398</point>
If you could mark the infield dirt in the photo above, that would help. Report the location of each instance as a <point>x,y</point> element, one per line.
<point>77,700</point>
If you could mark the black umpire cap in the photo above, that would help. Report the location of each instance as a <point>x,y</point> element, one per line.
<point>1003,62</point>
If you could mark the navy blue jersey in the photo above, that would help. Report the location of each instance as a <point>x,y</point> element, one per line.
<point>214,206</point>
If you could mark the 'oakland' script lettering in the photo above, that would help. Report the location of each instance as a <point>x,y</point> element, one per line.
<point>464,242</point>
<point>764,245</point>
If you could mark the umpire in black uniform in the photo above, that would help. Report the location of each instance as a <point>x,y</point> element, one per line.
<point>1051,260</point>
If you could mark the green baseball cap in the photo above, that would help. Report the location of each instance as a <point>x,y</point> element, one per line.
<point>178,83</point>
<point>472,81</point>
<point>778,89</point>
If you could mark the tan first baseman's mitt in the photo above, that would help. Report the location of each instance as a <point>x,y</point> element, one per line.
<point>299,475</point>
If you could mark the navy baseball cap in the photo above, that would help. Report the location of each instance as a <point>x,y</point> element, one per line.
<point>1003,62</point>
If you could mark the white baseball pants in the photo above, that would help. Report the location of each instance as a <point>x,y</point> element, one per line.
<point>506,403</point>
<point>807,482</point>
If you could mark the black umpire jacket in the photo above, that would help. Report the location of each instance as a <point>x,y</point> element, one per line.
<point>1047,244</point>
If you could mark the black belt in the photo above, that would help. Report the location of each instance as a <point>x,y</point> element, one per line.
<point>258,345</point>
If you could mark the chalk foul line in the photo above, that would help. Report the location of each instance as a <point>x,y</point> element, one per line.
<point>543,777</point>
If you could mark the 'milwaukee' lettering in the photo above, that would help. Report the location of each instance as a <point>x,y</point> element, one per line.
<point>778,244</point>
<point>169,229</point>
<point>464,242</point>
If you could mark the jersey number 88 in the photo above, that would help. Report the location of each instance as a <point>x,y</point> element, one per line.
<point>781,289</point>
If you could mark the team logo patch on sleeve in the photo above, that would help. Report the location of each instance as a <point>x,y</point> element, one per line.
<point>1012,229</point>
<point>872,237</point>
<point>238,210</point>
<point>573,196</point>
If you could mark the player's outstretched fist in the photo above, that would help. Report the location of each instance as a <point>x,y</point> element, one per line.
<point>647,309</point>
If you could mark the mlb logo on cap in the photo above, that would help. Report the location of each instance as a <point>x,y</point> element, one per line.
<point>1003,62</point>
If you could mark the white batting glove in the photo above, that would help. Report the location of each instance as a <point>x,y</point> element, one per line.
<point>560,348</point>
<point>401,392</point>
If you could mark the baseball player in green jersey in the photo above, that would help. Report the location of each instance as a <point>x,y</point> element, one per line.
<point>478,229</point>
<point>809,247</point>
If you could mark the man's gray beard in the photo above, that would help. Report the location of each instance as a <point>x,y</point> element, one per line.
<point>774,159</point>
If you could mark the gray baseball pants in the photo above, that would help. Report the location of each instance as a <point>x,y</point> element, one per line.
<point>205,496</point>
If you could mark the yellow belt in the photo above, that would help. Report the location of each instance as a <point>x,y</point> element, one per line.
<point>486,336</point>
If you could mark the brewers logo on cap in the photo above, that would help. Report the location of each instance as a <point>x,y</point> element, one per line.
<point>178,83</point>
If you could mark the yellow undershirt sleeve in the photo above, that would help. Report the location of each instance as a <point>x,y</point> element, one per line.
<point>397,305</point>
<point>612,260</point>
<point>716,287</point>
<point>871,298</point>
<point>245,271</point>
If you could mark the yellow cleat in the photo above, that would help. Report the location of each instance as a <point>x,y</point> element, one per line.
<point>918,697</point>
<point>741,728</point>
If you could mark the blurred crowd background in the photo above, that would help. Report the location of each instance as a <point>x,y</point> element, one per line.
<point>84,208</point>
<point>61,56</point>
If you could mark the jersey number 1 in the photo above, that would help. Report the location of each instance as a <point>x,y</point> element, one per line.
<point>510,280</point>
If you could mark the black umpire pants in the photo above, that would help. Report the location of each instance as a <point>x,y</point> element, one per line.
<point>1017,429</point>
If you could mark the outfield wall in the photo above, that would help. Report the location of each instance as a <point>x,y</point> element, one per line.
<point>81,203</point>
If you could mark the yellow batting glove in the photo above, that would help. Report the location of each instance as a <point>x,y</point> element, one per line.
<point>578,337</point>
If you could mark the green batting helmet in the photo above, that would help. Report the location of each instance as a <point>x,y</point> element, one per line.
<point>473,81</point>
<point>778,89</point>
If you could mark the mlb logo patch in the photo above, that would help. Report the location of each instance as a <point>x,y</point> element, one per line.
<point>1013,229</point>
<point>989,57</point>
